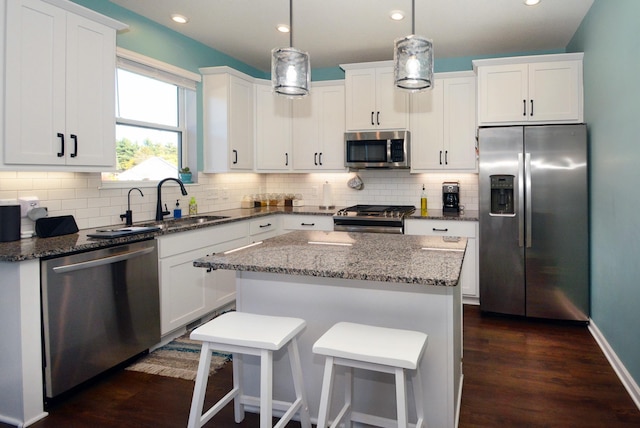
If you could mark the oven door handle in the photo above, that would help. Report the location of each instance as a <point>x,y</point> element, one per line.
<point>102,261</point>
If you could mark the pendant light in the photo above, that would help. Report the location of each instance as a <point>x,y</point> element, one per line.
<point>290,67</point>
<point>413,59</point>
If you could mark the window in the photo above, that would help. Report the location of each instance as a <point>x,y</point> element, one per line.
<point>155,119</point>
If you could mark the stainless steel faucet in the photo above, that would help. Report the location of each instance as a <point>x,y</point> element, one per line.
<point>128,216</point>
<point>159,212</point>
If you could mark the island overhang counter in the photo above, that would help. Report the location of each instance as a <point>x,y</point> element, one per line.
<point>396,281</point>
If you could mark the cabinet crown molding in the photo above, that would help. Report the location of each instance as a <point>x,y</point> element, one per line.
<point>88,13</point>
<point>578,56</point>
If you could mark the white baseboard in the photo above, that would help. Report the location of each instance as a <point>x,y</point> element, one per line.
<point>625,377</point>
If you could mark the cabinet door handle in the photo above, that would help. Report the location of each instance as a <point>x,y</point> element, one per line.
<point>439,230</point>
<point>320,158</point>
<point>531,114</point>
<point>265,225</point>
<point>446,157</point>
<point>315,158</point>
<point>286,159</point>
<point>307,224</point>
<point>440,157</point>
<point>75,145</point>
<point>61,152</point>
<point>378,118</point>
<point>235,157</point>
<point>524,107</point>
<point>372,122</point>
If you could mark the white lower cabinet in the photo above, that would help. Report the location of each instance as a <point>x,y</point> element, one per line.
<point>187,292</point>
<point>307,222</point>
<point>466,229</point>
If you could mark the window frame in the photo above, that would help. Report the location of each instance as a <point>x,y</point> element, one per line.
<point>187,83</point>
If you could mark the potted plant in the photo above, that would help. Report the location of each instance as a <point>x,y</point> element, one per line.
<point>185,174</point>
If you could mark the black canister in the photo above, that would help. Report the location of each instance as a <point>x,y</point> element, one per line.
<point>9,223</point>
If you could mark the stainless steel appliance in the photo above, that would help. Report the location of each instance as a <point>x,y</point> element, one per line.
<point>100,308</point>
<point>372,218</point>
<point>534,235</point>
<point>382,149</point>
<point>450,197</point>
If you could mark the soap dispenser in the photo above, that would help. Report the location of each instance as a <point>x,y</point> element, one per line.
<point>177,211</point>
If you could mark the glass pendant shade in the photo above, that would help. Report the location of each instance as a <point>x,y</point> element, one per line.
<point>290,72</point>
<point>413,63</point>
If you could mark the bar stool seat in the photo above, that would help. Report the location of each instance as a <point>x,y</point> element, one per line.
<point>252,334</point>
<point>379,349</point>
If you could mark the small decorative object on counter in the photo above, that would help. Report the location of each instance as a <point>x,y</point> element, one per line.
<point>247,202</point>
<point>193,206</point>
<point>177,211</point>
<point>298,201</point>
<point>288,199</point>
<point>423,202</point>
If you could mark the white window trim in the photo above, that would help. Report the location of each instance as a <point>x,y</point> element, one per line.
<point>150,67</point>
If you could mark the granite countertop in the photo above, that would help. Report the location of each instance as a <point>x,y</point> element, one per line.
<point>34,248</point>
<point>424,260</point>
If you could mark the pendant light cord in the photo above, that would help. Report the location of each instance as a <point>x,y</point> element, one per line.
<point>290,23</point>
<point>413,17</point>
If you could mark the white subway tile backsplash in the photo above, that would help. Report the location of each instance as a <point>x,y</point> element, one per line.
<point>81,195</point>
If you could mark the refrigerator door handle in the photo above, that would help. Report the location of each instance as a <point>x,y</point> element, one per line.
<point>528,219</point>
<point>520,200</point>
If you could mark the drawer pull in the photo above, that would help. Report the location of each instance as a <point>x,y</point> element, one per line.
<point>265,225</point>
<point>307,224</point>
<point>440,230</point>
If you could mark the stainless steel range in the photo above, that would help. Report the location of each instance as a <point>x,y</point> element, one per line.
<point>372,218</point>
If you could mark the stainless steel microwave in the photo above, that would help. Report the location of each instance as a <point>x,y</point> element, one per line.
<point>382,149</point>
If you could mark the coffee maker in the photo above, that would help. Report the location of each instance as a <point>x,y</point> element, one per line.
<point>450,197</point>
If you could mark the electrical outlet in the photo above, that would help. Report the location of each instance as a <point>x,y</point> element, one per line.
<point>225,193</point>
<point>213,194</point>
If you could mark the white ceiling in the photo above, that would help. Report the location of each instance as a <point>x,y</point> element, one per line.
<point>347,31</point>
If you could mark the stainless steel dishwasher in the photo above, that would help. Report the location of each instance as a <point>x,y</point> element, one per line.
<point>100,308</point>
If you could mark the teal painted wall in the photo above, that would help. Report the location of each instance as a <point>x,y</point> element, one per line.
<point>609,36</point>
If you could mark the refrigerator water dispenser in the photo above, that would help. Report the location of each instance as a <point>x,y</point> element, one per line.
<point>502,194</point>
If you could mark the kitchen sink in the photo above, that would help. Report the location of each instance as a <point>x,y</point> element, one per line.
<point>184,221</point>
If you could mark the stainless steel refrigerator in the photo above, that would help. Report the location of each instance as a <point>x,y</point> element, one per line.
<point>534,221</point>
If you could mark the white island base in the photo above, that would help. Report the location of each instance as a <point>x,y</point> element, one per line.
<point>435,310</point>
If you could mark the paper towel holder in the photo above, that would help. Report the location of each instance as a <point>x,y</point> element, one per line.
<point>327,202</point>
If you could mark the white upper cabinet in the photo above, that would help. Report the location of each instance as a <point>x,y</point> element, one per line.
<point>443,124</point>
<point>533,89</point>
<point>59,87</point>
<point>372,100</point>
<point>228,116</point>
<point>318,129</point>
<point>273,129</point>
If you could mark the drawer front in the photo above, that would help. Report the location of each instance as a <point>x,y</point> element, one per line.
<point>441,228</point>
<point>307,222</point>
<point>263,225</point>
<point>181,242</point>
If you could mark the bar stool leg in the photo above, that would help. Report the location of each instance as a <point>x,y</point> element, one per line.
<point>325,395</point>
<point>348,394</point>
<point>266,387</point>
<point>401,398</point>
<point>296,371</point>
<point>238,406</point>
<point>202,377</point>
<point>419,397</point>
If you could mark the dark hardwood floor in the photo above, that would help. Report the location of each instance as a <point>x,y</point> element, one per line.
<point>518,373</point>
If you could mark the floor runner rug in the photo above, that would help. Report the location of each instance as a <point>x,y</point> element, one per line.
<point>179,358</point>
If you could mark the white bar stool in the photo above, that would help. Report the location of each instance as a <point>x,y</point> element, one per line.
<point>252,334</point>
<point>379,349</point>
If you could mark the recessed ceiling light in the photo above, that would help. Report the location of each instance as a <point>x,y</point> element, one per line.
<point>180,19</point>
<point>283,28</point>
<point>531,2</point>
<point>396,15</point>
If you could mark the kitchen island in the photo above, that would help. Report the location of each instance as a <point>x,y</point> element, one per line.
<point>396,281</point>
